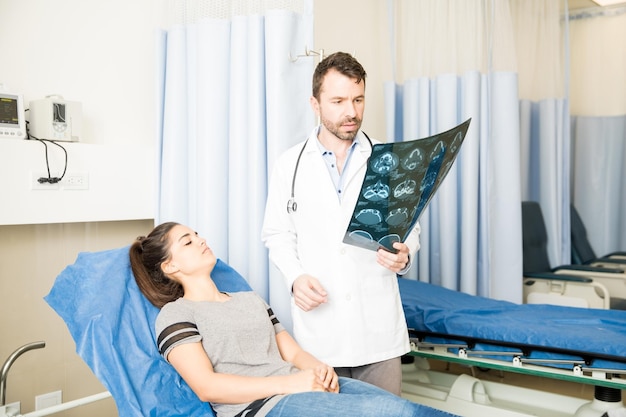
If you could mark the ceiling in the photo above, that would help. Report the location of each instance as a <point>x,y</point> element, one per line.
<point>580,4</point>
<point>585,4</point>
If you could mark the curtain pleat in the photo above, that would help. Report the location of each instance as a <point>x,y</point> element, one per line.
<point>599,125</point>
<point>231,101</point>
<point>470,59</point>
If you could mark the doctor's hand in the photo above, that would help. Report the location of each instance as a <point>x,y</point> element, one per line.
<point>395,262</point>
<point>308,293</point>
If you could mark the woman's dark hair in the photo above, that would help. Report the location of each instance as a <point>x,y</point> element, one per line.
<point>342,62</point>
<point>147,253</point>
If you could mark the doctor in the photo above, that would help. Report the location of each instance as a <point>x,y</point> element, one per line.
<point>345,306</point>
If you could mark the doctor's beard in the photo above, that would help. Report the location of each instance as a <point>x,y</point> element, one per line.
<point>335,128</point>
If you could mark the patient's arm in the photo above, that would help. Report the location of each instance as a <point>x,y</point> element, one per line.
<point>192,363</point>
<point>291,351</point>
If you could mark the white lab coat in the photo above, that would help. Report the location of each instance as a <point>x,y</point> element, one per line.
<point>363,321</point>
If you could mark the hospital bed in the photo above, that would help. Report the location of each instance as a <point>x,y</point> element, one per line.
<point>112,325</point>
<point>600,286</point>
<point>581,345</point>
<point>583,253</point>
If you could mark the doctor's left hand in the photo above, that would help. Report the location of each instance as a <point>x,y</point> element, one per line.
<point>395,262</point>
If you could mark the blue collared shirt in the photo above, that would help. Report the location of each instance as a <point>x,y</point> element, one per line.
<point>330,159</point>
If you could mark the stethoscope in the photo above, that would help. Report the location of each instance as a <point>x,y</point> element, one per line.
<point>292,205</point>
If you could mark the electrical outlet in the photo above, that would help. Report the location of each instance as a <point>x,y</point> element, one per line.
<point>48,400</point>
<point>13,409</point>
<point>75,181</point>
<point>36,184</point>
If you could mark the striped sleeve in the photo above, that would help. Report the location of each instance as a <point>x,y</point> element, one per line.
<point>175,334</point>
<point>175,326</point>
<point>278,326</point>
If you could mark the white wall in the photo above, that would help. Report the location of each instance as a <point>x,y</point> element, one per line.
<point>359,27</point>
<point>101,54</point>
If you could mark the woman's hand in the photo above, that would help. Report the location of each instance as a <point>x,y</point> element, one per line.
<point>304,381</point>
<point>327,377</point>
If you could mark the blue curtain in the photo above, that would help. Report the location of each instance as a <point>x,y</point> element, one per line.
<point>469,231</point>
<point>230,101</point>
<point>598,183</point>
<point>546,164</point>
<point>460,59</point>
<point>599,124</point>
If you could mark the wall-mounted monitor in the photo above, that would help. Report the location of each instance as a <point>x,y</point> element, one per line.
<point>12,123</point>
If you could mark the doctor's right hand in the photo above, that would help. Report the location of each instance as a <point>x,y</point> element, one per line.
<point>308,293</point>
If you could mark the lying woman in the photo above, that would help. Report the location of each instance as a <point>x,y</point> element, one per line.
<point>231,349</point>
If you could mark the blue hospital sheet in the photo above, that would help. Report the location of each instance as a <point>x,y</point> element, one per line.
<point>599,333</point>
<point>112,324</point>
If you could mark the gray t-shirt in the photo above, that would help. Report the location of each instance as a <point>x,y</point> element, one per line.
<point>239,337</point>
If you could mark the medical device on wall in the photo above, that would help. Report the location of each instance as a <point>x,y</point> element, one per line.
<point>12,123</point>
<point>54,118</point>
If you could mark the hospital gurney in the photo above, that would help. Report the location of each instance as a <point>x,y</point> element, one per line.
<point>570,285</point>
<point>566,343</point>
<point>112,324</point>
<point>583,253</point>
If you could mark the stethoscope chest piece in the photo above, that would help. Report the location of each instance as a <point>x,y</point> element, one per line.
<point>292,206</point>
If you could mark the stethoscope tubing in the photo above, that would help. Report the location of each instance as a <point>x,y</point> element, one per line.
<point>292,205</point>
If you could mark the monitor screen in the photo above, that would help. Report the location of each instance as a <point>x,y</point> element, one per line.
<point>12,123</point>
<point>8,110</point>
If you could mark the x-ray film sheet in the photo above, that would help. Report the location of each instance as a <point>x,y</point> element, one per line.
<point>400,181</point>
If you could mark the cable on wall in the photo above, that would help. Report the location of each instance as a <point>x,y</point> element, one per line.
<point>49,179</point>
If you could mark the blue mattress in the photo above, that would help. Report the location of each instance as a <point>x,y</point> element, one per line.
<point>545,331</point>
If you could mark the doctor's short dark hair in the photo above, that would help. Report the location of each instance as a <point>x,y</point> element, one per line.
<point>342,62</point>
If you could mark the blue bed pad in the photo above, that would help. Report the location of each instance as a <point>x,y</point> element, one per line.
<point>112,324</point>
<point>601,334</point>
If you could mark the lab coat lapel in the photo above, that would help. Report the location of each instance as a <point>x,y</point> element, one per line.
<point>358,160</point>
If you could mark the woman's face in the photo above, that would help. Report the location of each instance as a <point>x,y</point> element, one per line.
<point>189,252</point>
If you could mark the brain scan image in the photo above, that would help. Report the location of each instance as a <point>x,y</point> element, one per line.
<point>401,179</point>
<point>458,140</point>
<point>413,160</point>
<point>369,216</point>
<point>376,192</point>
<point>397,216</point>
<point>405,189</point>
<point>385,163</point>
<point>438,152</point>
<point>361,234</point>
<point>434,167</point>
<point>388,240</point>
